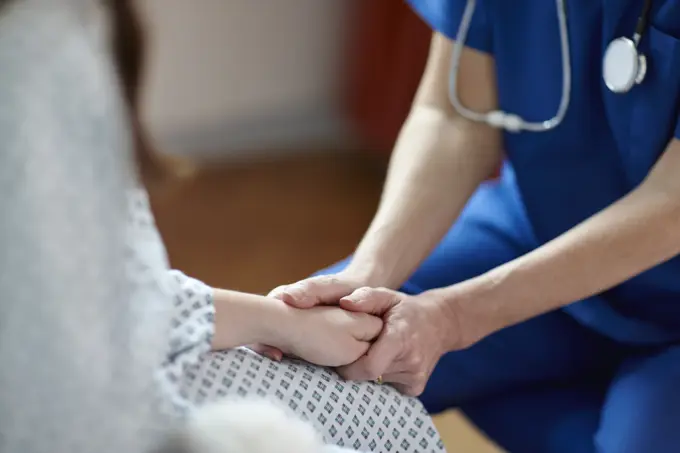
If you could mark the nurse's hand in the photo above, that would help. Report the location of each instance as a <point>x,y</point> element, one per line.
<point>319,290</point>
<point>417,331</point>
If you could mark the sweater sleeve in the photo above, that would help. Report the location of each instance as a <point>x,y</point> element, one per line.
<point>70,380</point>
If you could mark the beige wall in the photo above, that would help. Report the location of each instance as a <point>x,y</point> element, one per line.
<point>233,75</point>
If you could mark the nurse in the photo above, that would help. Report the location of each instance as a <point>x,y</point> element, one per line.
<point>550,311</point>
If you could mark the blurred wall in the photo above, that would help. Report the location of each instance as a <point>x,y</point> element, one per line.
<point>229,77</point>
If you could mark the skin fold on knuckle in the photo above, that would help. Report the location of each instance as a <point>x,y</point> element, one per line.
<point>306,286</point>
<point>383,291</point>
<point>353,299</point>
<point>414,363</point>
<point>359,349</point>
<point>376,326</point>
<point>333,280</point>
<point>357,324</point>
<point>364,292</point>
<point>363,326</point>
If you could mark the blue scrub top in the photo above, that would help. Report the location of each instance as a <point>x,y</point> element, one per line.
<point>606,144</point>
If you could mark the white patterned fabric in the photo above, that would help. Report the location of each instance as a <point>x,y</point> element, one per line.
<point>362,416</point>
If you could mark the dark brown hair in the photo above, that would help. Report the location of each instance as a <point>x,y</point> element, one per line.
<point>129,42</point>
<point>129,52</point>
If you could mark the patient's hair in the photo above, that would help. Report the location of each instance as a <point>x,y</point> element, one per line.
<point>129,50</point>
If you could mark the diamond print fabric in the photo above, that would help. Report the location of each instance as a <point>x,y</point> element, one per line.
<point>362,416</point>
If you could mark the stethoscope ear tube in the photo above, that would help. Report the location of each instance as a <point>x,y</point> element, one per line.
<point>500,119</point>
<point>623,67</point>
<point>642,22</point>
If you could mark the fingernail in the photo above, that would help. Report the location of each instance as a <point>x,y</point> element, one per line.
<point>297,294</point>
<point>279,293</point>
<point>293,292</point>
<point>288,297</point>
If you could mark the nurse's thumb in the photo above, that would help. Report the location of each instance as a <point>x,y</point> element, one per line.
<point>374,301</point>
<point>320,290</point>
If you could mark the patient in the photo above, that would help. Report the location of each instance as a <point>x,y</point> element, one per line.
<point>55,80</point>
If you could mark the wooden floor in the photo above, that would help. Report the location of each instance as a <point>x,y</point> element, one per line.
<point>252,227</point>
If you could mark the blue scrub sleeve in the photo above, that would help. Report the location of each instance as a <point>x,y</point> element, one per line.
<point>444,16</point>
<point>677,129</point>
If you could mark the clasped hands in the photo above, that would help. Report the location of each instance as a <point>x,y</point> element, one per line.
<point>377,332</point>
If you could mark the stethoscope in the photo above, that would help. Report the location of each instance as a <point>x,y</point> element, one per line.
<point>623,67</point>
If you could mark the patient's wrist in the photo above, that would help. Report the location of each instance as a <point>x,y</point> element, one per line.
<point>277,323</point>
<point>242,319</point>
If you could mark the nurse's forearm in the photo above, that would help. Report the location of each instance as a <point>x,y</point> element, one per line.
<point>633,235</point>
<point>437,164</point>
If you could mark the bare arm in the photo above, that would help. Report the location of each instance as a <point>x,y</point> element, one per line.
<point>439,160</point>
<point>631,236</point>
<point>242,319</point>
<point>326,336</point>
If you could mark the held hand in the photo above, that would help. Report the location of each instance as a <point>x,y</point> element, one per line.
<point>411,342</point>
<point>311,292</point>
<point>328,336</point>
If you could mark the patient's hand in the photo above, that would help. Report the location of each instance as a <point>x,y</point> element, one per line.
<point>327,336</point>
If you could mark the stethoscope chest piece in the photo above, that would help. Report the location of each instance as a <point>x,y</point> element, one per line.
<point>623,66</point>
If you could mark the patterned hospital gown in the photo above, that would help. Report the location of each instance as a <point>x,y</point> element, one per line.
<point>360,415</point>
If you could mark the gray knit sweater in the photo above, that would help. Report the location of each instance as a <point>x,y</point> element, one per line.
<point>73,376</point>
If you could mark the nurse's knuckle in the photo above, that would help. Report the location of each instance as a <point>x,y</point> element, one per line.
<point>331,280</point>
<point>306,285</point>
<point>414,362</point>
<point>364,292</point>
<point>413,339</point>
